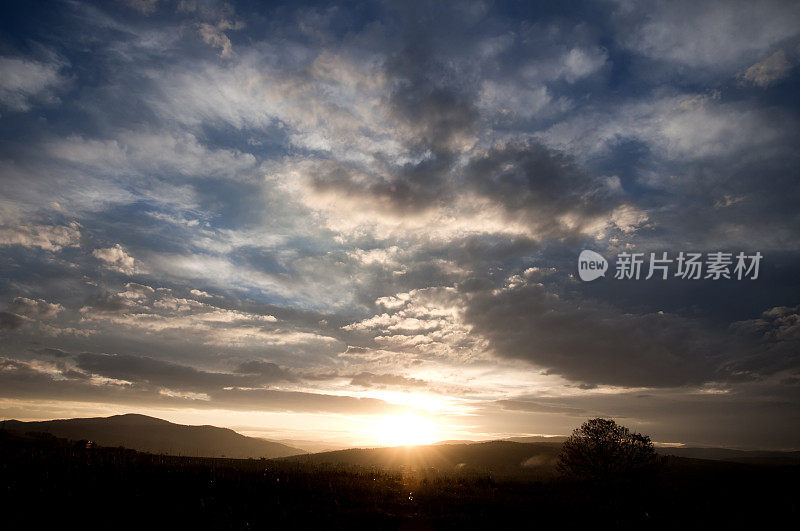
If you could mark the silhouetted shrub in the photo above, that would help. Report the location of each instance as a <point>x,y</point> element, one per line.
<point>603,451</point>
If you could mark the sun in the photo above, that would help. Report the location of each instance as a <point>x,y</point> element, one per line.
<point>405,430</point>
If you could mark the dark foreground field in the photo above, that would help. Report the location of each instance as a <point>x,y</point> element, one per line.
<point>57,484</point>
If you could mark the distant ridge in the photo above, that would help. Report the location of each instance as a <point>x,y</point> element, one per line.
<point>538,439</point>
<point>499,457</point>
<point>513,458</point>
<point>512,455</point>
<point>149,434</point>
<point>735,456</point>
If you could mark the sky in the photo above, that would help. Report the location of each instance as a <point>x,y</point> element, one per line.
<point>322,221</point>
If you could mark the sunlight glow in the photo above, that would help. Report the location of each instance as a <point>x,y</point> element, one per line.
<point>405,430</point>
<point>422,401</point>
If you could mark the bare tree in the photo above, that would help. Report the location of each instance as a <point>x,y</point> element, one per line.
<point>601,451</point>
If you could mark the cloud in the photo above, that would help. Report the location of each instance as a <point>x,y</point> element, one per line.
<point>146,7</point>
<point>438,116</point>
<point>266,370</point>
<point>426,323</point>
<point>628,218</point>
<point>116,259</point>
<point>146,152</point>
<point>161,316</point>
<point>368,379</point>
<point>39,308</point>
<point>23,82</point>
<point>594,343</point>
<point>541,406</point>
<point>199,293</point>
<point>777,332</point>
<point>140,369</point>
<point>137,291</point>
<point>523,189</point>
<point>10,321</point>
<point>675,128</point>
<point>23,380</point>
<point>46,237</point>
<point>579,63</point>
<point>714,34</point>
<point>584,341</point>
<point>274,400</point>
<point>766,72</point>
<point>213,35</point>
<point>54,352</point>
<point>323,202</point>
<point>541,188</point>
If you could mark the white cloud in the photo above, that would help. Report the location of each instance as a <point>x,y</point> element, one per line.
<point>158,312</point>
<point>116,259</point>
<point>682,127</point>
<point>22,81</point>
<point>47,237</point>
<point>712,34</point>
<point>579,63</point>
<point>628,218</point>
<point>198,293</point>
<point>144,152</point>
<point>426,323</point>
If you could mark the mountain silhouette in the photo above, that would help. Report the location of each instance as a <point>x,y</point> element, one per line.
<point>149,434</point>
<point>757,457</point>
<point>498,457</point>
<point>511,458</point>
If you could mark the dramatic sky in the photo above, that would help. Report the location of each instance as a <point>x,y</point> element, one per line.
<point>308,221</point>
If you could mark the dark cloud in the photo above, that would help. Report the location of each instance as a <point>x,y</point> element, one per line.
<point>542,187</point>
<point>178,377</point>
<point>596,343</point>
<point>10,321</point>
<point>428,99</point>
<point>36,308</point>
<point>54,352</point>
<point>439,120</point>
<point>18,380</point>
<point>406,190</point>
<point>593,343</point>
<point>266,372</point>
<point>110,302</point>
<point>777,336</point>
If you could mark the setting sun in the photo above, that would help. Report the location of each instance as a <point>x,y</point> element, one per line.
<point>405,430</point>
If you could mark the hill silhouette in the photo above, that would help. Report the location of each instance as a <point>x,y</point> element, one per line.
<point>505,458</point>
<point>92,486</point>
<point>756,457</point>
<point>509,458</point>
<point>524,456</point>
<point>537,439</point>
<point>149,434</point>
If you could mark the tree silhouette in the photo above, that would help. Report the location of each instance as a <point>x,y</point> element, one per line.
<point>603,451</point>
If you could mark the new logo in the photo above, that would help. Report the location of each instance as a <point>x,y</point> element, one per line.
<point>591,265</point>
